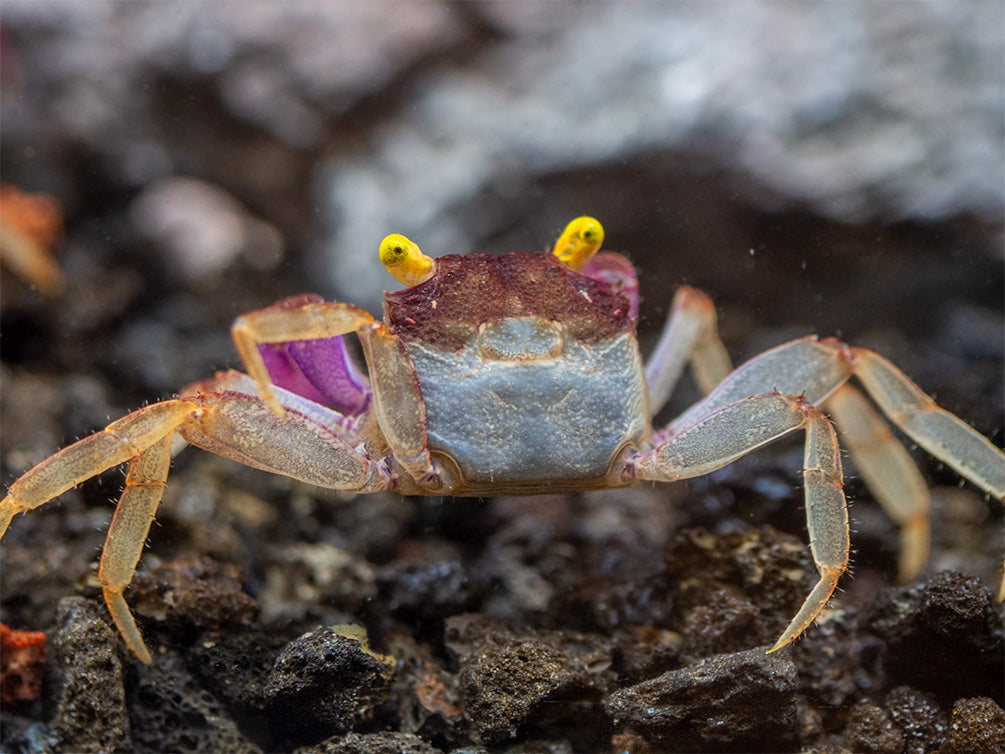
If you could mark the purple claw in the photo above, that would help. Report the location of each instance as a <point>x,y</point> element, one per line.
<point>320,370</point>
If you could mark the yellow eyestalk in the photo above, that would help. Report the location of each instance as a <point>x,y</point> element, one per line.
<point>580,240</point>
<point>405,261</point>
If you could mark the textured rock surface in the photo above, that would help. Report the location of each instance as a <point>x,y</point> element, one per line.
<point>731,702</point>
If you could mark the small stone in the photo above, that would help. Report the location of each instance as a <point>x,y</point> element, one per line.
<point>170,710</point>
<point>978,727</point>
<point>385,742</point>
<point>870,729</point>
<point>90,700</point>
<point>424,594</point>
<point>326,680</point>
<point>942,636</point>
<point>192,595</point>
<point>510,681</point>
<point>922,721</point>
<point>737,700</point>
<point>723,623</point>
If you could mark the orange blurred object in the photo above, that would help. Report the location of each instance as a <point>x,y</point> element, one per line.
<point>30,225</point>
<point>22,658</point>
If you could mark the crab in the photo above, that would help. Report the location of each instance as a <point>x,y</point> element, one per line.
<point>521,374</point>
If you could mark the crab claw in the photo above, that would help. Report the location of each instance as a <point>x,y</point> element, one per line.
<point>405,260</point>
<point>580,240</point>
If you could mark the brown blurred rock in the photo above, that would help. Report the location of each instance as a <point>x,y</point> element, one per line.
<point>742,701</point>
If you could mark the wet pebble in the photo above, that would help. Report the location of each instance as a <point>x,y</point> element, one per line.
<point>870,729</point>
<point>326,680</point>
<point>978,726</point>
<point>943,636</point>
<point>191,595</point>
<point>514,681</point>
<point>423,594</point>
<point>385,742</point>
<point>90,701</point>
<point>920,718</point>
<point>736,700</point>
<point>172,710</point>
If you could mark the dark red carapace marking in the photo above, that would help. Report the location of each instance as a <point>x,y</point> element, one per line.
<point>469,290</point>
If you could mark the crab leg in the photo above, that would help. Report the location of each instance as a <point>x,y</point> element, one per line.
<point>232,381</point>
<point>690,335</point>
<point>400,409</point>
<point>889,472</point>
<point>116,444</point>
<point>732,431</point>
<point>818,369</point>
<point>243,428</point>
<point>936,430</point>
<point>280,324</point>
<point>128,532</point>
<point>807,366</point>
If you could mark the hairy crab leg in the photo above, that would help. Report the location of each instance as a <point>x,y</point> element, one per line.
<point>279,324</point>
<point>806,366</point>
<point>731,431</point>
<point>690,335</point>
<point>817,369</point>
<point>128,533</point>
<point>890,473</point>
<point>235,425</point>
<point>116,444</point>
<point>243,428</point>
<point>942,434</point>
<point>232,381</point>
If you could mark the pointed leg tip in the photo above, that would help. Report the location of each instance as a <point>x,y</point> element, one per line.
<point>6,515</point>
<point>778,645</point>
<point>788,636</point>
<point>126,624</point>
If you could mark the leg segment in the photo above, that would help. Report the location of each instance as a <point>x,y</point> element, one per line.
<point>143,436</point>
<point>731,431</point>
<point>889,472</point>
<point>399,408</point>
<point>690,335</point>
<point>232,381</point>
<point>936,430</point>
<point>128,533</point>
<point>243,428</point>
<point>807,366</point>
<point>116,444</point>
<point>397,400</point>
<point>233,424</point>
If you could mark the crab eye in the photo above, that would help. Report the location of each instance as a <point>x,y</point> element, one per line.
<point>579,242</point>
<point>405,261</point>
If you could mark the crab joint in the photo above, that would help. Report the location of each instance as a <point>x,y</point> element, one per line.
<point>405,261</point>
<point>579,242</point>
